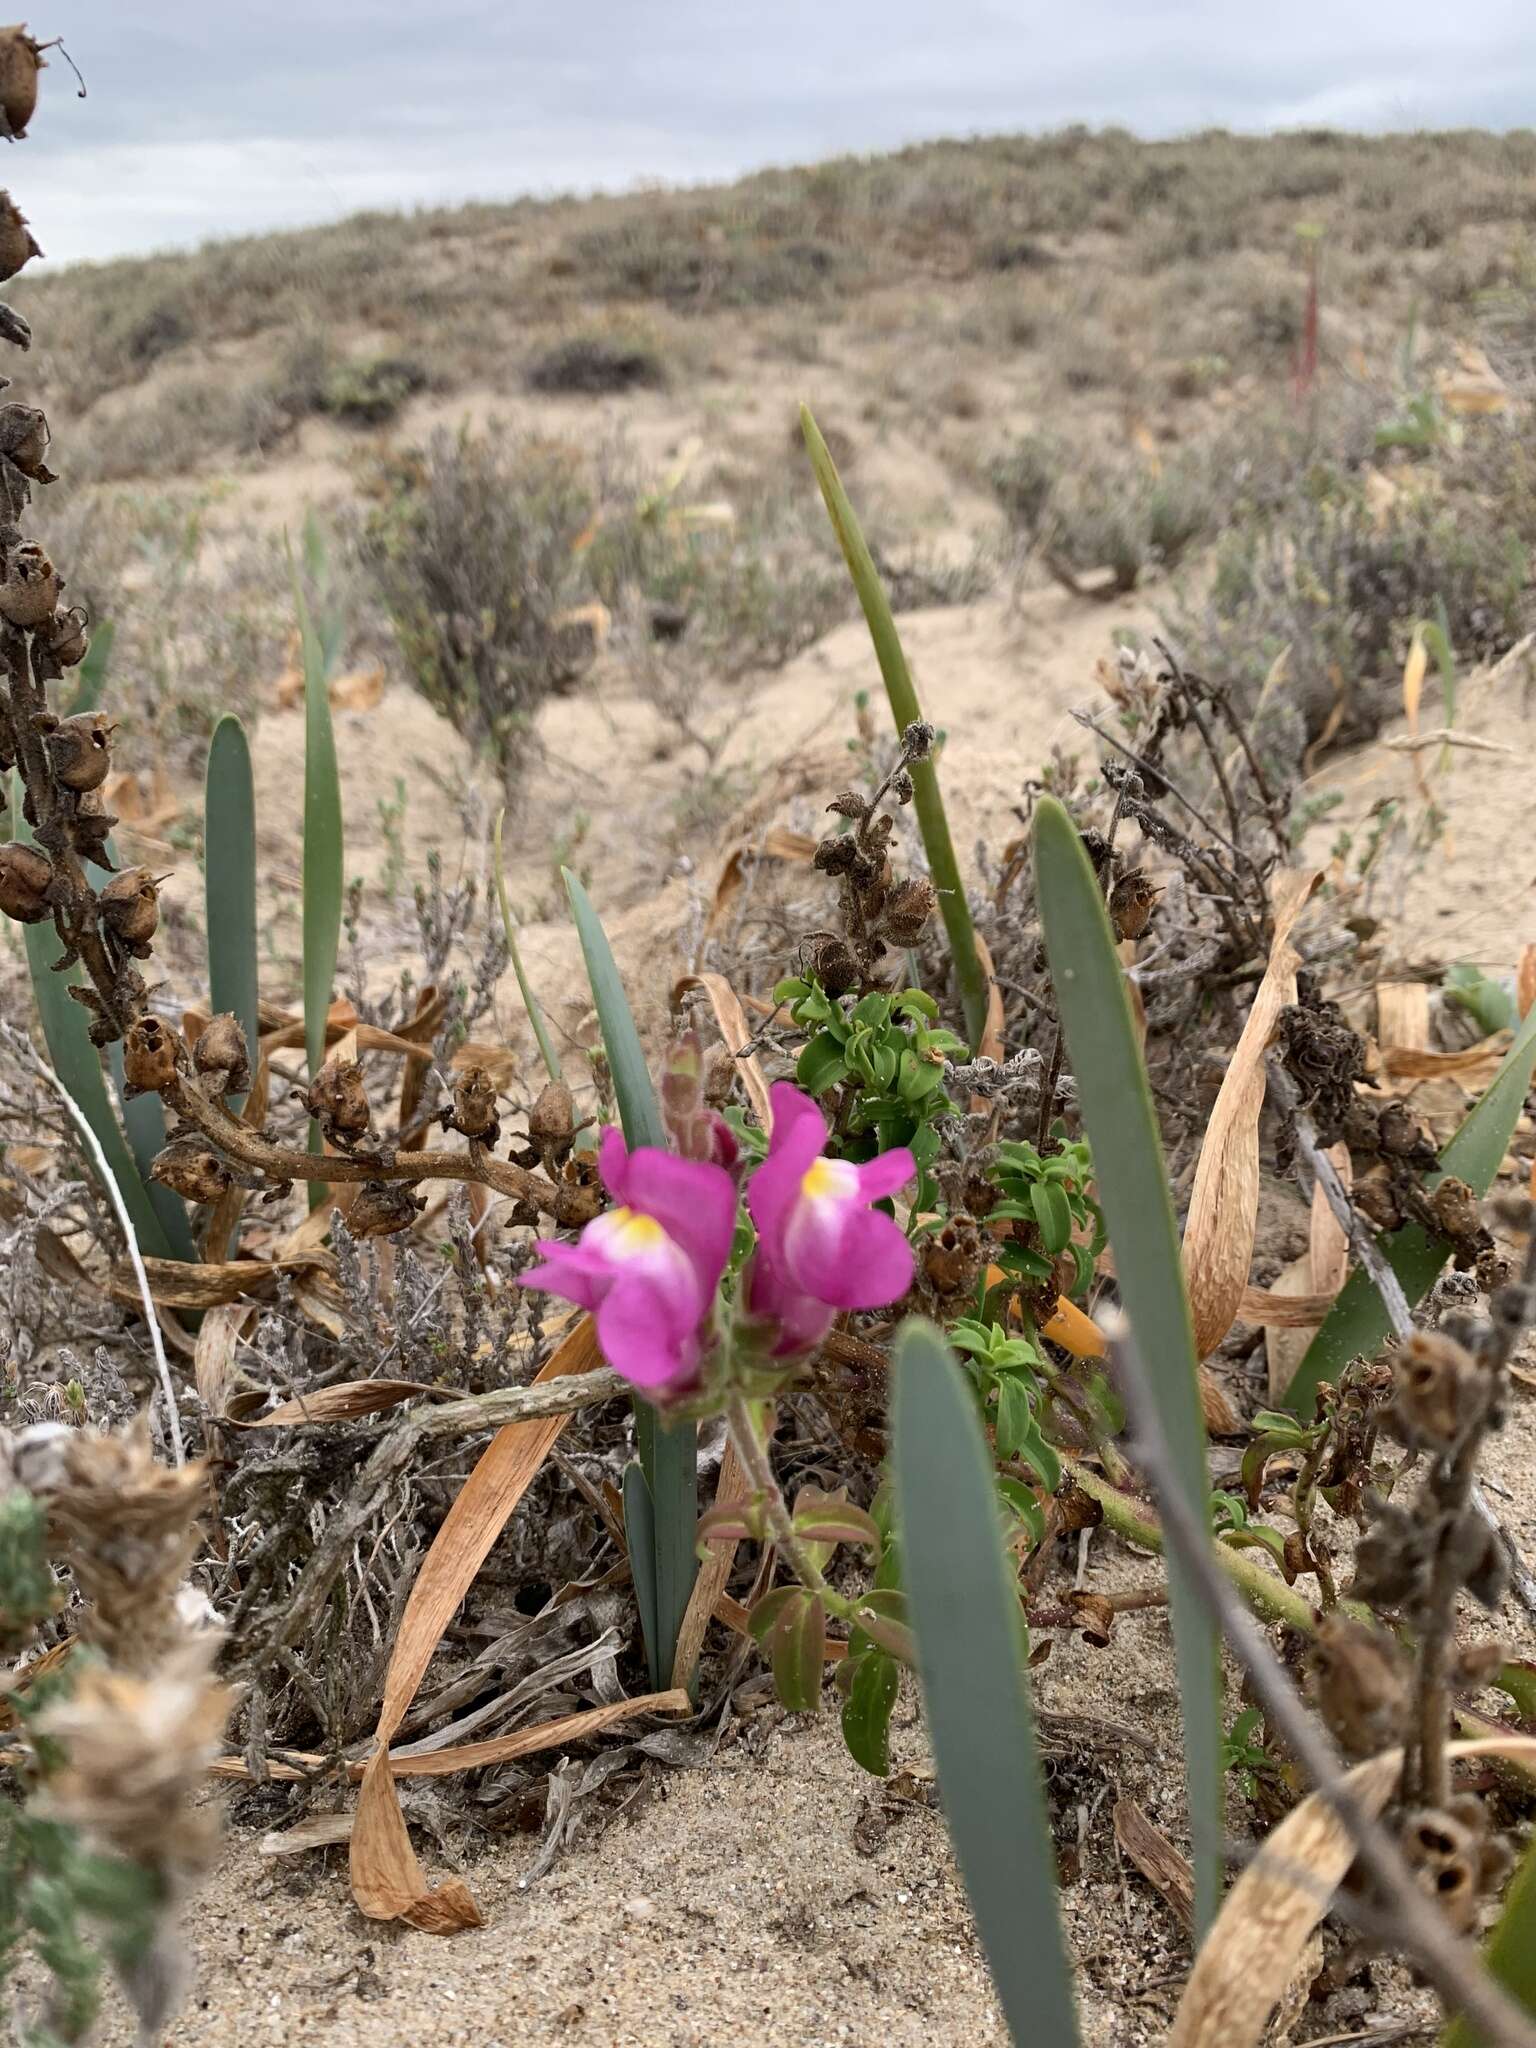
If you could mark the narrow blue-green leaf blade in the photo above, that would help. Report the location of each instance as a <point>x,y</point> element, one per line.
<point>66,1032</point>
<point>970,1641</point>
<point>1357,1325</point>
<point>668,1453</point>
<point>229,881</point>
<point>91,674</point>
<point>640,1537</point>
<point>1106,1061</point>
<point>322,862</point>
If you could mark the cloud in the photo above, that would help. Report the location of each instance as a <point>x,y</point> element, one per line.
<point>208,120</point>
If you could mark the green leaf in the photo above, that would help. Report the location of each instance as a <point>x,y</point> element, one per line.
<point>668,1454</point>
<point>229,882</point>
<point>1357,1325</point>
<point>867,1712</point>
<point>1487,1001</point>
<point>1133,1181</point>
<point>640,1540</point>
<point>794,1635</point>
<point>927,801</point>
<point>1053,1215</point>
<point>821,1065</point>
<point>91,674</point>
<point>322,862</point>
<point>970,1640</point>
<point>66,1032</point>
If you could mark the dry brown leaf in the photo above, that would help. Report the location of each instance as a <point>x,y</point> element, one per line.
<point>224,1217</point>
<point>387,1880</point>
<point>714,1574</point>
<point>1472,1064</point>
<point>1224,1202</point>
<point>1268,1917</point>
<point>737,1616</point>
<point>1328,1241</point>
<point>1169,1872</point>
<point>991,1045</point>
<point>213,1362</point>
<point>1402,1014</point>
<point>319,1831</point>
<point>175,1283</point>
<point>344,1402</point>
<point>779,843</point>
<point>1414,671</point>
<point>1525,980</point>
<point>1278,1308</point>
<point>733,1029</point>
<point>1285,1342</point>
<point>358,690</point>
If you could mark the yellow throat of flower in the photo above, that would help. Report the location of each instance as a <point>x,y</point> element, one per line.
<point>823,1178</point>
<point>631,1233</point>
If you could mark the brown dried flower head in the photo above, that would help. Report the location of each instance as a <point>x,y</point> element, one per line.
<point>31,587</point>
<point>68,636</point>
<point>24,437</point>
<point>1131,904</point>
<point>191,1168</point>
<point>80,749</point>
<point>130,907</point>
<point>1360,1683</point>
<point>1440,1390</point>
<point>474,1106</point>
<point>21,59</point>
<point>383,1208</point>
<point>907,911</point>
<point>339,1100</point>
<point>26,880</point>
<point>1455,1859</point>
<point>577,1201</point>
<point>149,1057</point>
<point>830,959</point>
<point>221,1054</point>
<point>17,246</point>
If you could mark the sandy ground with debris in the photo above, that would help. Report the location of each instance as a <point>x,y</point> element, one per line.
<point>778,1896</point>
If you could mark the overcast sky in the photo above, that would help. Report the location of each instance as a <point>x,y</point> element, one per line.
<point>215,117</point>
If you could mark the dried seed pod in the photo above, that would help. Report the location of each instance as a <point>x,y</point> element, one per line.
<point>26,883</point>
<point>1455,1859</point>
<point>68,637</point>
<point>719,1076</point>
<point>21,59</point>
<point>91,827</point>
<point>381,1208</point>
<point>31,587</point>
<point>901,786</point>
<point>474,1107</point>
<point>952,1258</point>
<point>1375,1195</point>
<point>917,740</point>
<point>24,437</point>
<point>838,855</point>
<point>16,244</point>
<point>552,1123</point>
<point>149,1057</point>
<point>1440,1390</point>
<point>1076,1508</point>
<point>577,1202</point>
<point>1360,1683</point>
<point>1477,1665</point>
<point>221,1054</point>
<point>1455,1210</point>
<point>191,1168</point>
<point>130,905</point>
<point>80,750</point>
<point>1400,1134</point>
<point>1093,1616</point>
<point>1131,904</point>
<point>338,1099</point>
<point>907,911</point>
<point>831,961</point>
<point>849,804</point>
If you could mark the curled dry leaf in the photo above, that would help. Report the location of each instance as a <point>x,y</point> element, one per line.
<point>1525,980</point>
<point>173,1283</point>
<point>714,1574</point>
<point>733,1030</point>
<point>345,1402</point>
<point>1269,1916</point>
<point>1224,1203</point>
<point>779,843</point>
<point>387,1880</point>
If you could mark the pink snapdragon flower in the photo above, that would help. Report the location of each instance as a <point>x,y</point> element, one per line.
<point>649,1268</point>
<point>820,1245</point>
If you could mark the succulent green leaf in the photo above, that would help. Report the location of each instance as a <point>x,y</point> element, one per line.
<point>1105,1058</point>
<point>867,1711</point>
<point>323,877</point>
<point>229,881</point>
<point>971,1657</point>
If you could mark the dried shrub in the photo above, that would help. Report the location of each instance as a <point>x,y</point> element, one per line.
<point>595,365</point>
<point>473,551</point>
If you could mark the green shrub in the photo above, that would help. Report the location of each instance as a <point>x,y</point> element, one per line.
<point>596,365</point>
